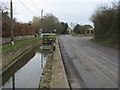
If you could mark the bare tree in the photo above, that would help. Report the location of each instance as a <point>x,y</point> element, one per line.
<point>4,7</point>
<point>106,22</point>
<point>36,22</point>
<point>72,25</point>
<point>49,23</point>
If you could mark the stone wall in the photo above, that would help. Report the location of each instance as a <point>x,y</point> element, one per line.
<point>10,56</point>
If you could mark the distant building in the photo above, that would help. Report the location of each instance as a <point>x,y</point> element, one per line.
<point>90,30</point>
<point>6,18</point>
<point>69,30</point>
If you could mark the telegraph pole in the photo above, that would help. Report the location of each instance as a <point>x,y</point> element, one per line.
<point>41,20</point>
<point>11,16</point>
<point>41,13</point>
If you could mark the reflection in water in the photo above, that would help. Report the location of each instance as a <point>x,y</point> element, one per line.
<point>13,83</point>
<point>26,72</point>
<point>20,63</point>
<point>42,61</point>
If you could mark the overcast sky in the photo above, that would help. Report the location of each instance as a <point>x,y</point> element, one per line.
<point>70,11</point>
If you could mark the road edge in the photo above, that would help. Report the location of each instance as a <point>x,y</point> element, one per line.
<point>59,78</point>
<point>54,75</point>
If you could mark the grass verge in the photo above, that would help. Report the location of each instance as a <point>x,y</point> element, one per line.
<point>83,35</point>
<point>20,43</point>
<point>105,43</point>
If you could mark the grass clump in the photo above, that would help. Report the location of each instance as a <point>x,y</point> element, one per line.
<point>17,44</point>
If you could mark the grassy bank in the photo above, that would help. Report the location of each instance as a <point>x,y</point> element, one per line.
<point>83,35</point>
<point>105,43</point>
<point>20,43</point>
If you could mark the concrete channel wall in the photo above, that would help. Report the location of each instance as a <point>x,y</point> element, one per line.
<point>54,75</point>
<point>10,57</point>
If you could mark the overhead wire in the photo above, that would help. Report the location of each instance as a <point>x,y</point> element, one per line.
<point>27,8</point>
<point>33,6</point>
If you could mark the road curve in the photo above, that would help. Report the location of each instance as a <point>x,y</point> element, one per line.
<point>87,64</point>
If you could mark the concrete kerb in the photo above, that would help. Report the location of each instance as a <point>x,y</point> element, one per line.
<point>54,71</point>
<point>59,78</point>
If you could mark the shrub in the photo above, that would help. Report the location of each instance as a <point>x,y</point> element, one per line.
<point>19,30</point>
<point>106,23</point>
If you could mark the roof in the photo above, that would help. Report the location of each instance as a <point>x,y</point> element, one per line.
<point>90,28</point>
<point>5,18</point>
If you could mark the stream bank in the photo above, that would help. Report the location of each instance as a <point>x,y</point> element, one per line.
<point>27,70</point>
<point>9,57</point>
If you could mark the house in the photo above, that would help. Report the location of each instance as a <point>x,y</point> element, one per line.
<point>69,30</point>
<point>5,18</point>
<point>90,30</point>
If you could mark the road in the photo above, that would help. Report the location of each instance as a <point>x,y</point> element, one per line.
<point>87,64</point>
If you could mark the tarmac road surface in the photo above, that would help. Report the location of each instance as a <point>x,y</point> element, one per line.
<point>87,64</point>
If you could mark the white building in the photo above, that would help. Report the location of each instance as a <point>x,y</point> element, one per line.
<point>69,30</point>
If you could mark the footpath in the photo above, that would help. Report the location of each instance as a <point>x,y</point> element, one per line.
<point>54,72</point>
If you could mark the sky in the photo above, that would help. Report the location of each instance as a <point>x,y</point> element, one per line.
<point>69,11</point>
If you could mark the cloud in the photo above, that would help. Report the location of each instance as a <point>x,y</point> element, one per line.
<point>66,0</point>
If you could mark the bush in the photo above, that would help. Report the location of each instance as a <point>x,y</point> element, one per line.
<point>19,30</point>
<point>106,23</point>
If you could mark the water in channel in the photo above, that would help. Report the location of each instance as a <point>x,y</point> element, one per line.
<point>27,71</point>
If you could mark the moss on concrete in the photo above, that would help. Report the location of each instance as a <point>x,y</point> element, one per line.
<point>47,73</point>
